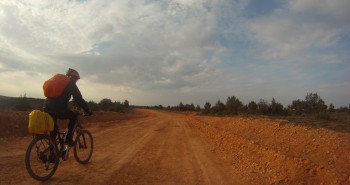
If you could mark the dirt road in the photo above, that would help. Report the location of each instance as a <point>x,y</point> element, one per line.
<point>172,148</point>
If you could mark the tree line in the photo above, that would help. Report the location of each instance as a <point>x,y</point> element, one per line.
<point>109,105</point>
<point>23,103</point>
<point>312,104</point>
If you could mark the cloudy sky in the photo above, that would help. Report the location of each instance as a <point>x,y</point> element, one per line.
<point>153,52</point>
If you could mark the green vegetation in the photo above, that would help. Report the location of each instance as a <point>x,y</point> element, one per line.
<point>107,105</point>
<point>311,105</point>
<point>311,111</point>
<point>23,103</point>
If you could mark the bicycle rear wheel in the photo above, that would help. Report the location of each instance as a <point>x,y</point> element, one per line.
<point>41,158</point>
<point>83,147</point>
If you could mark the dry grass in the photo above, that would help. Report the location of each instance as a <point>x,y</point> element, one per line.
<point>337,121</point>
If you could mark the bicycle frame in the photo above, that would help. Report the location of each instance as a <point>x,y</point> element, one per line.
<point>47,151</point>
<point>61,139</point>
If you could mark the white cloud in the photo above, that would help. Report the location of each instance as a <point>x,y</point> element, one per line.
<point>134,45</point>
<point>296,31</point>
<point>335,9</point>
<point>169,51</point>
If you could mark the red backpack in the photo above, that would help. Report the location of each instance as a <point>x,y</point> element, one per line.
<point>55,86</point>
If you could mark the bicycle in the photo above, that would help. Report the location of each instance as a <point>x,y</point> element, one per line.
<point>43,153</point>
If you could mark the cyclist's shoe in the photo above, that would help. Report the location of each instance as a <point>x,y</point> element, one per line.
<point>70,142</point>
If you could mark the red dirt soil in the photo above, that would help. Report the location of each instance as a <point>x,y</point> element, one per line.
<point>153,147</point>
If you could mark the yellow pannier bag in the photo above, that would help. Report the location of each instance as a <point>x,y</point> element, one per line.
<point>40,122</point>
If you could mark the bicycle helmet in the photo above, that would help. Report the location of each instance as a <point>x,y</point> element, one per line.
<point>73,73</point>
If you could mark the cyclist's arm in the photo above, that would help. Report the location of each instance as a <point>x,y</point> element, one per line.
<point>78,98</point>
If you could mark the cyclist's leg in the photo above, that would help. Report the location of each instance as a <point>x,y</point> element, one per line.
<point>54,133</point>
<point>67,114</point>
<point>71,126</point>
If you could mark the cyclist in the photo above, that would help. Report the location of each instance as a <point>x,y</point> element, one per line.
<point>57,105</point>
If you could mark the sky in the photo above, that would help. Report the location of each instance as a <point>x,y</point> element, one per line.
<point>163,52</point>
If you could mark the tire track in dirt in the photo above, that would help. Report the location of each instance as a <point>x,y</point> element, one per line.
<point>172,156</point>
<point>212,174</point>
<point>115,143</point>
<point>114,148</point>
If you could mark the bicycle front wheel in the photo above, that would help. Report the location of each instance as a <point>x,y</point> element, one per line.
<point>41,158</point>
<point>83,147</point>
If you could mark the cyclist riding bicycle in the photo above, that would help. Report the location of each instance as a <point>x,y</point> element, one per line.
<point>59,89</point>
<point>45,150</point>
